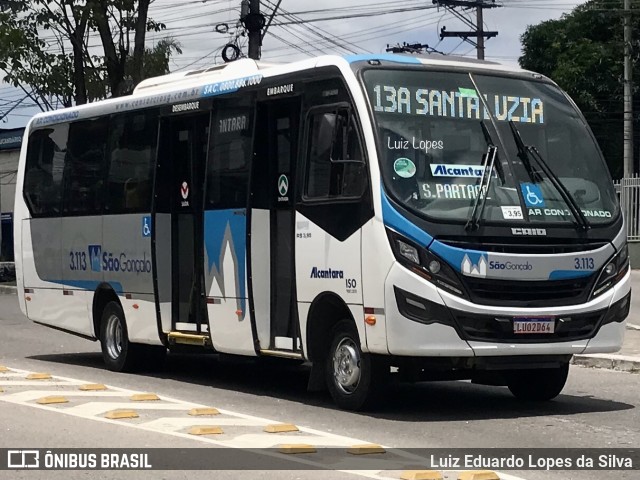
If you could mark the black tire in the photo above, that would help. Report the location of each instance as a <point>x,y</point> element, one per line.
<point>538,385</point>
<point>349,373</point>
<point>118,353</point>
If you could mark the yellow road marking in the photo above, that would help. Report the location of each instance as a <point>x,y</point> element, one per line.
<point>479,475</point>
<point>281,428</point>
<point>421,475</point>
<point>295,448</point>
<point>144,397</point>
<point>205,430</point>
<point>365,449</point>
<point>121,414</point>
<point>52,399</point>
<point>198,412</point>
<point>92,387</point>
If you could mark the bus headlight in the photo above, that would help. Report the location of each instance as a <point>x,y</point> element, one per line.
<point>434,267</point>
<point>409,252</point>
<point>612,272</point>
<point>424,263</point>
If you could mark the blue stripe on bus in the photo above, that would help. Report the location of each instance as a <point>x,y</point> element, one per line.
<point>387,57</point>
<point>394,220</point>
<point>569,274</point>
<point>455,256</point>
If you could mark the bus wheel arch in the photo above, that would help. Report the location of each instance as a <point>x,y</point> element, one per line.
<point>335,348</point>
<point>102,296</point>
<point>326,311</point>
<point>110,324</point>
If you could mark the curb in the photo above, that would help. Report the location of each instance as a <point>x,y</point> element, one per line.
<point>8,289</point>
<point>621,363</point>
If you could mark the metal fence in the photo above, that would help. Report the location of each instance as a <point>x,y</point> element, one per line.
<point>628,190</point>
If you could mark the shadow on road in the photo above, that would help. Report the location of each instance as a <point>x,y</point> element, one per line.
<point>433,402</point>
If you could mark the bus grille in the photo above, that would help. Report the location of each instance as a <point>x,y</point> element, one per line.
<point>513,293</point>
<point>500,329</point>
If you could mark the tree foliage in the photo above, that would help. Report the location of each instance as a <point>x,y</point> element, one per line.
<point>583,53</point>
<point>50,46</point>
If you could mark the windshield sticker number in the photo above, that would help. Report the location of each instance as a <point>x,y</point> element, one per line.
<point>586,263</point>
<point>512,213</point>
<point>404,168</point>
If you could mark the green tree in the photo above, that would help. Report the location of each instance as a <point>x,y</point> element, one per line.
<point>583,53</point>
<point>44,44</point>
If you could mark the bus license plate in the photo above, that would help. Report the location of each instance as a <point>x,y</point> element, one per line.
<point>533,325</point>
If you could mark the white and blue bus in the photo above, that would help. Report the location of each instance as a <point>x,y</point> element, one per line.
<point>437,218</point>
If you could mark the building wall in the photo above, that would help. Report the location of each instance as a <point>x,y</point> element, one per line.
<point>8,172</point>
<point>634,254</point>
<point>10,143</point>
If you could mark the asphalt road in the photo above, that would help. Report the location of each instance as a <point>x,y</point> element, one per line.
<point>598,408</point>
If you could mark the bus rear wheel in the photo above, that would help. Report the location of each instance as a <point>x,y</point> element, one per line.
<point>538,385</point>
<point>349,371</point>
<point>118,353</point>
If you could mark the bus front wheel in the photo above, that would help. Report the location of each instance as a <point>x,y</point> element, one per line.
<point>538,385</point>
<point>118,353</point>
<point>349,371</point>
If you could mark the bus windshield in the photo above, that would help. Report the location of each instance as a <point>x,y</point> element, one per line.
<point>436,136</point>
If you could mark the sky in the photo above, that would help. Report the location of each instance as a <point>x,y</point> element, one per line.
<point>203,27</point>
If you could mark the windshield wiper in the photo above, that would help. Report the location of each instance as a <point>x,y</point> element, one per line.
<point>485,181</point>
<point>564,193</point>
<point>488,165</point>
<point>523,152</point>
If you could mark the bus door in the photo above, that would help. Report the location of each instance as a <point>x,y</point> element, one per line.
<point>179,241</point>
<point>272,225</point>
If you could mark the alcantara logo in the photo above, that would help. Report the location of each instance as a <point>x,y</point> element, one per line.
<point>452,170</point>
<point>317,273</point>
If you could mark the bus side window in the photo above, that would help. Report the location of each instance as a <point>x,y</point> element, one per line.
<point>44,169</point>
<point>84,167</point>
<point>130,162</point>
<point>335,165</point>
<point>230,153</point>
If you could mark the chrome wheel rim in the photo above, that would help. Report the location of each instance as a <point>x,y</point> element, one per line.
<point>114,336</point>
<point>346,366</point>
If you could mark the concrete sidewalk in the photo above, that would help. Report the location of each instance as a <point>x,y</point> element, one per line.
<point>627,359</point>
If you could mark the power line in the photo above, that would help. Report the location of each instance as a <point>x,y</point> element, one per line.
<point>477,29</point>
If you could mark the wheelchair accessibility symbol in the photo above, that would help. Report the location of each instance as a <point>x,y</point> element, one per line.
<point>532,194</point>
<point>146,226</point>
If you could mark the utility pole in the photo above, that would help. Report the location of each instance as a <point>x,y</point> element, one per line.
<point>628,95</point>
<point>480,24</point>
<point>477,31</point>
<point>253,21</point>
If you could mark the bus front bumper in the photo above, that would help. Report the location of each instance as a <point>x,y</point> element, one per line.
<point>425,321</point>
